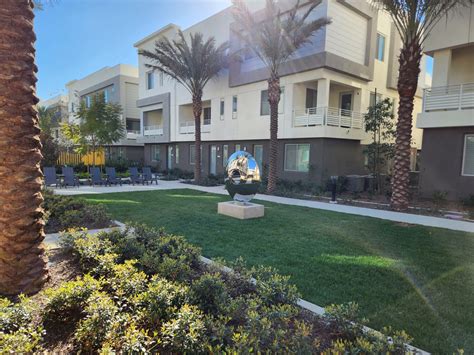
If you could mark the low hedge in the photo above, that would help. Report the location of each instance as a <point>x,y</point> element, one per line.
<point>146,291</point>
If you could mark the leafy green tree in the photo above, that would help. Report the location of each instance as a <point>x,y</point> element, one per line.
<point>380,123</point>
<point>274,37</point>
<point>99,125</point>
<point>414,20</point>
<point>191,64</point>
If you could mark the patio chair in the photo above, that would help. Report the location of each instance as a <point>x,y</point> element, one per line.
<point>148,176</point>
<point>112,177</point>
<point>96,177</point>
<point>135,177</point>
<point>69,178</point>
<point>50,177</point>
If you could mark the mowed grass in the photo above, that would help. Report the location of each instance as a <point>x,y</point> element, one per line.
<point>410,277</point>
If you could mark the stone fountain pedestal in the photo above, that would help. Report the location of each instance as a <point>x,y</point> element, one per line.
<point>240,210</point>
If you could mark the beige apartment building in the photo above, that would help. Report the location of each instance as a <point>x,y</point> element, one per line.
<point>58,107</point>
<point>447,120</point>
<point>327,87</point>
<point>119,84</point>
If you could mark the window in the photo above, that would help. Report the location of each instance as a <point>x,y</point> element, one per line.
<point>155,153</point>
<point>468,156</point>
<point>72,107</point>
<point>161,78</point>
<point>133,125</point>
<point>258,155</point>
<point>222,106</point>
<point>265,105</point>
<point>106,96</point>
<point>88,101</point>
<point>297,157</point>
<point>234,106</point>
<point>380,54</point>
<point>225,154</point>
<point>373,100</point>
<point>192,154</point>
<point>150,80</point>
<point>311,98</point>
<point>206,115</point>
<point>237,147</point>
<point>177,154</point>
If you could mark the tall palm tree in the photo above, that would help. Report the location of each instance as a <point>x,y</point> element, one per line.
<point>22,259</point>
<point>414,20</point>
<point>274,37</point>
<point>192,64</point>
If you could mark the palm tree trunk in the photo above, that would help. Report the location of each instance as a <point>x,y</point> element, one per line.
<point>197,111</point>
<point>410,57</point>
<point>22,259</point>
<point>273,100</point>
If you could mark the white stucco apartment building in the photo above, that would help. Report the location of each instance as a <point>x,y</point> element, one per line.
<point>327,87</point>
<point>120,85</point>
<point>58,107</point>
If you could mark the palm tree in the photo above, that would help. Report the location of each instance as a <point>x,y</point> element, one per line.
<point>414,19</point>
<point>192,64</point>
<point>274,37</point>
<point>22,259</point>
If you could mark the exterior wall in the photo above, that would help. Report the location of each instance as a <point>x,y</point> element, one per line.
<point>124,81</point>
<point>327,157</point>
<point>441,163</point>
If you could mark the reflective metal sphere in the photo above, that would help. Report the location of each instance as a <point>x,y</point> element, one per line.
<point>243,176</point>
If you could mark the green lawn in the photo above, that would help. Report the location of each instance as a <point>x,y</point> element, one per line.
<point>414,278</point>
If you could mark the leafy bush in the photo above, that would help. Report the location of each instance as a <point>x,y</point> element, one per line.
<point>126,280</point>
<point>65,212</point>
<point>185,332</point>
<point>209,293</point>
<point>25,340</point>
<point>66,303</point>
<point>14,316</point>
<point>274,288</point>
<point>95,254</point>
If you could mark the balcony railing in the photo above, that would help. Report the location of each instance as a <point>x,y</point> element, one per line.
<point>446,98</point>
<point>154,130</point>
<point>327,116</point>
<point>132,134</point>
<point>188,127</point>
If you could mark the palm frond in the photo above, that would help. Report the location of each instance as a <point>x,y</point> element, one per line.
<point>274,36</point>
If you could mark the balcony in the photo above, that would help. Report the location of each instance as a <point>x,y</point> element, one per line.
<point>447,106</point>
<point>327,116</point>
<point>444,98</point>
<point>188,127</point>
<point>132,134</point>
<point>155,130</point>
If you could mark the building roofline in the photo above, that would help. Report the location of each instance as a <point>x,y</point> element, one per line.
<point>154,34</point>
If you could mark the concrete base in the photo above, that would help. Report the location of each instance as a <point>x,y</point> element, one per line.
<point>239,210</point>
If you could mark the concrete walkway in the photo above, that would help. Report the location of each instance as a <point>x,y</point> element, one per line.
<point>429,221</point>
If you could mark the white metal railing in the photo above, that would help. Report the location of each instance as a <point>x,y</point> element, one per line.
<point>453,97</point>
<point>188,127</point>
<point>132,134</point>
<point>153,130</point>
<point>327,116</point>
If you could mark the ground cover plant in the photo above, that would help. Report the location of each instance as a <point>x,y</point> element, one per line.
<point>175,304</point>
<point>63,212</point>
<point>411,277</point>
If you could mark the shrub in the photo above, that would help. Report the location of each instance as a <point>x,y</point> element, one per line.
<point>66,303</point>
<point>95,254</point>
<point>185,332</point>
<point>274,288</point>
<point>14,316</point>
<point>91,331</point>
<point>25,340</point>
<point>160,301</point>
<point>209,293</point>
<point>344,319</point>
<point>65,212</point>
<point>126,280</point>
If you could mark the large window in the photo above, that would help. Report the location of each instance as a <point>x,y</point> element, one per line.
<point>133,125</point>
<point>150,80</point>
<point>176,154</point>
<point>258,155</point>
<point>380,53</point>
<point>88,101</point>
<point>237,147</point>
<point>155,153</point>
<point>265,105</point>
<point>468,156</point>
<point>297,157</point>
<point>311,98</point>
<point>192,154</point>
<point>207,115</point>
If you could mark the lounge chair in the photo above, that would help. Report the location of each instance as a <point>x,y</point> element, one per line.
<point>69,179</point>
<point>50,177</point>
<point>112,177</point>
<point>135,177</point>
<point>96,177</point>
<point>148,176</point>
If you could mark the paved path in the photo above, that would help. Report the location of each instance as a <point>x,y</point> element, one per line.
<point>362,211</point>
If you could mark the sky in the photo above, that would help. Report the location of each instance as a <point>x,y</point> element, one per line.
<point>78,37</point>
